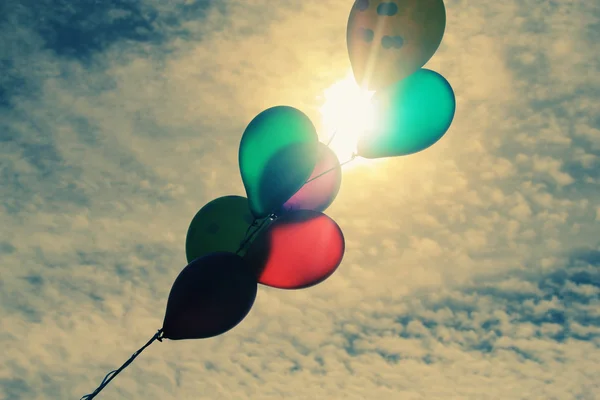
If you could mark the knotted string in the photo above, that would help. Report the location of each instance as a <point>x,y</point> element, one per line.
<point>249,235</point>
<point>352,157</point>
<point>109,377</point>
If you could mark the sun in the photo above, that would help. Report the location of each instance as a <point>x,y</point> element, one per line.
<point>347,113</point>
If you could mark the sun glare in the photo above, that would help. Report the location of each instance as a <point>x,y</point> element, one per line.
<point>346,114</point>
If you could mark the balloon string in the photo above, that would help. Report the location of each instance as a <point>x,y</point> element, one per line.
<point>332,137</point>
<point>354,155</point>
<point>109,377</point>
<point>248,230</point>
<point>247,237</point>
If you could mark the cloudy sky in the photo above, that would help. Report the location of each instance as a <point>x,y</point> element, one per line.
<point>472,269</point>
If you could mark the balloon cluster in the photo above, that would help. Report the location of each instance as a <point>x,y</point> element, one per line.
<point>278,235</point>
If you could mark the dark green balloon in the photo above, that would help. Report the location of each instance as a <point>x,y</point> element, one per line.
<point>220,225</point>
<point>410,116</point>
<point>278,152</point>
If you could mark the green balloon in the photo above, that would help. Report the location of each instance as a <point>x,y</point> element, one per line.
<point>410,116</point>
<point>221,225</point>
<point>277,154</point>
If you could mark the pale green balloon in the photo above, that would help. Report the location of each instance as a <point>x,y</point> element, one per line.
<point>221,225</point>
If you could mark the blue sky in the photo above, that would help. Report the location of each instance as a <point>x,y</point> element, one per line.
<point>472,269</point>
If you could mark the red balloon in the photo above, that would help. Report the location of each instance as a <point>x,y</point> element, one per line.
<point>211,295</point>
<point>323,185</point>
<point>298,250</point>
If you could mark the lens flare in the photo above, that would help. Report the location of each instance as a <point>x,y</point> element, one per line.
<point>347,113</point>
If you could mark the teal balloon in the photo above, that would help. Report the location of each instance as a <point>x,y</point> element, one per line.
<point>410,116</point>
<point>277,154</point>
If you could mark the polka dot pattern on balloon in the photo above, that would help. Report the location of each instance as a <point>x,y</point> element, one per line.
<point>367,35</point>
<point>362,5</point>
<point>392,41</point>
<point>387,9</point>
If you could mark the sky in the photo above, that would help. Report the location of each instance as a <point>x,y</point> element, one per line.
<point>472,269</point>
